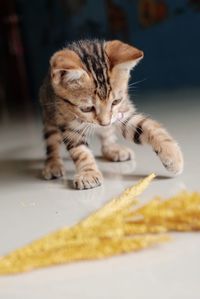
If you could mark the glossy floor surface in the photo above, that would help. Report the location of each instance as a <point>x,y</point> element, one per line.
<point>31,207</point>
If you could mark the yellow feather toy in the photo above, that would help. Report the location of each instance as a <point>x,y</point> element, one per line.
<point>121,226</point>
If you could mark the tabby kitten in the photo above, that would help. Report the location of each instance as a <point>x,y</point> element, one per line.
<point>86,87</point>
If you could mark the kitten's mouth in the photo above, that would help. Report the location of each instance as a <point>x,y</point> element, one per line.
<point>105,125</point>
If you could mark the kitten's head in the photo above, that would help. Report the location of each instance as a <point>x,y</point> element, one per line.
<point>91,79</point>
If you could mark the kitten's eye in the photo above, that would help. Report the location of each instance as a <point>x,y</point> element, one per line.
<point>87,109</point>
<point>115,102</point>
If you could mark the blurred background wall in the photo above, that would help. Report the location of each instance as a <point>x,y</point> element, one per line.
<point>30,31</point>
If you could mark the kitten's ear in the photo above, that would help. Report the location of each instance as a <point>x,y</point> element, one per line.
<point>66,64</point>
<point>122,55</point>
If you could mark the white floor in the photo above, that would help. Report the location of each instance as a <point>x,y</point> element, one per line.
<point>31,207</point>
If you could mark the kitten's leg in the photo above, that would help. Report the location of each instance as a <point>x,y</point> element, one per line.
<point>110,149</point>
<point>53,165</point>
<point>141,129</point>
<point>88,175</point>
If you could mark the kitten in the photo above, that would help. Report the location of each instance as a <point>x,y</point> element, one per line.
<point>87,86</point>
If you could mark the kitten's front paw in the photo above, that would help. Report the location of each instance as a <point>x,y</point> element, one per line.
<point>88,179</point>
<point>117,153</point>
<point>172,158</point>
<point>53,170</point>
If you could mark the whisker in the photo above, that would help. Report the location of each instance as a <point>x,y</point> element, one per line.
<point>130,126</point>
<point>71,135</point>
<point>137,82</point>
<point>88,131</point>
<point>92,129</point>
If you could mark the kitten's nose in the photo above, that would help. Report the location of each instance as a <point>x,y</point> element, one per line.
<point>104,117</point>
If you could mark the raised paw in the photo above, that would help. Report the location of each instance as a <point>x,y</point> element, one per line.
<point>117,153</point>
<point>87,179</point>
<point>172,158</point>
<point>53,170</point>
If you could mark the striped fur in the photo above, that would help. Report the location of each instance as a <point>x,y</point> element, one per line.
<point>53,166</point>
<point>144,130</point>
<point>94,58</point>
<point>87,87</point>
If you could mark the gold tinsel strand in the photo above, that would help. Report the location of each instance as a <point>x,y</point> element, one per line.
<point>121,226</point>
